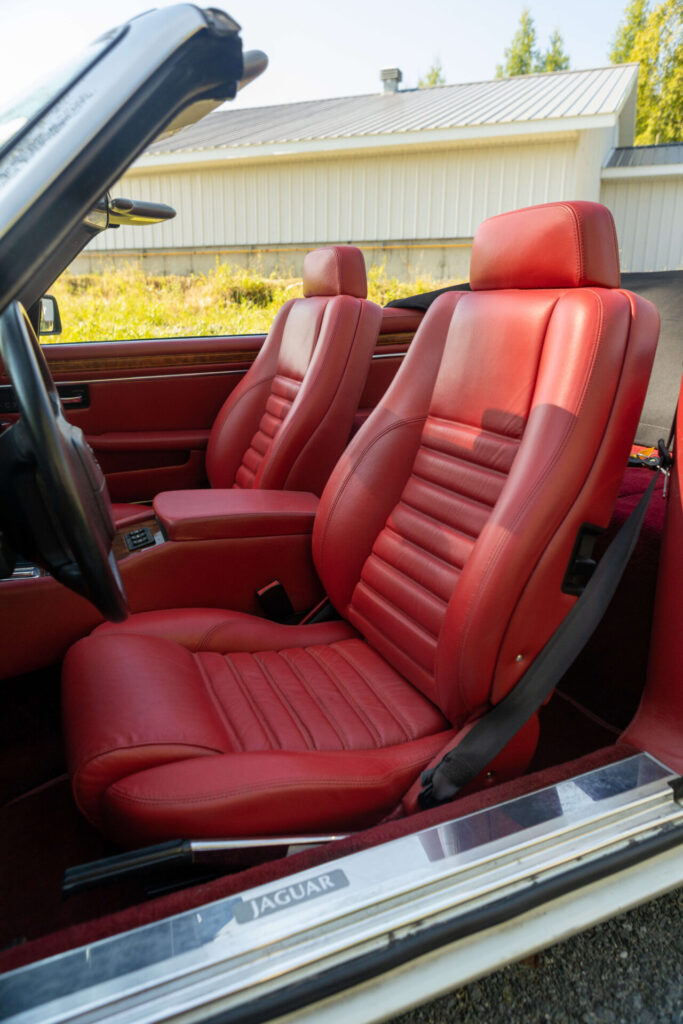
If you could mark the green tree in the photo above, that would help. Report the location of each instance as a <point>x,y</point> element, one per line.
<point>554,58</point>
<point>634,20</point>
<point>654,38</point>
<point>434,76</point>
<point>522,57</point>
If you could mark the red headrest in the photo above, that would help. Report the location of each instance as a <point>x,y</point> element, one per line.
<point>557,245</point>
<point>337,270</point>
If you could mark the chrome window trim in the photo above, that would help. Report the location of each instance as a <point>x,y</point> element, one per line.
<point>185,376</point>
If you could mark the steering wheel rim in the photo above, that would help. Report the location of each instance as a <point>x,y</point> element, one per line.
<point>75,541</point>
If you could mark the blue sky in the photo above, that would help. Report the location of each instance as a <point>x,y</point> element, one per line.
<point>319,48</point>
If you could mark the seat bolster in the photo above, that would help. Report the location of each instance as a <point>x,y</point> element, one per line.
<point>213,629</point>
<point>268,793</point>
<point>317,429</point>
<point>149,705</point>
<point>239,416</point>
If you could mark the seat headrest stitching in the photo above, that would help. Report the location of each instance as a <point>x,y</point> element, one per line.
<point>580,258</point>
<point>340,279</point>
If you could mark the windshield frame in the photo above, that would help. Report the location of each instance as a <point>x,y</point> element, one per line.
<point>166,63</point>
<point>66,77</point>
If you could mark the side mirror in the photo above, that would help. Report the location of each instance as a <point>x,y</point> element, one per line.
<point>50,321</point>
<point>137,211</point>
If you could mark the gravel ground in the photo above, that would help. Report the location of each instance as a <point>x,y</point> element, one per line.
<point>626,971</point>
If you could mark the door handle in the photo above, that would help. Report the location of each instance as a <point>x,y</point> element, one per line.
<point>74,396</point>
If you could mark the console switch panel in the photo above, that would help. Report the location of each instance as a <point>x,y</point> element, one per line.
<point>140,538</point>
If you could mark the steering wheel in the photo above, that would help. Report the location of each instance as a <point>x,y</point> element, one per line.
<point>56,508</point>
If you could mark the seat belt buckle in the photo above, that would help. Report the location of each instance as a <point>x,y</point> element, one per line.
<point>275,603</point>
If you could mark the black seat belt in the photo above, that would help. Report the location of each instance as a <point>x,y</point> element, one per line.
<point>494,731</point>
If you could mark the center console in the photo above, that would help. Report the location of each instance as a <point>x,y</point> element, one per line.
<point>200,548</point>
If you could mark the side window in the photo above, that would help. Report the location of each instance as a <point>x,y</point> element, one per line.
<point>138,278</point>
<point>125,301</point>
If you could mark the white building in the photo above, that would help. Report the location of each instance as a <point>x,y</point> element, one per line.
<point>406,174</point>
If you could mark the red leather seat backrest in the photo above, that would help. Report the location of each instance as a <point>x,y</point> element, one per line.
<point>446,529</point>
<point>286,423</point>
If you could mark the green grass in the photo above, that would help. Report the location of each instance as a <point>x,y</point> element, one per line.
<point>128,303</point>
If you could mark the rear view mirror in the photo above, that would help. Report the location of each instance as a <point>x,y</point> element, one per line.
<point>50,321</point>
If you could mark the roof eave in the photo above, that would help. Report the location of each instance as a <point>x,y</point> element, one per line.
<point>257,153</point>
<point>643,171</point>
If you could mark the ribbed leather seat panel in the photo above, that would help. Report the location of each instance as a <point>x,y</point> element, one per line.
<point>283,391</point>
<point>341,696</point>
<point>457,476</point>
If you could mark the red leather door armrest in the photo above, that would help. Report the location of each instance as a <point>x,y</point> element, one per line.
<point>221,514</point>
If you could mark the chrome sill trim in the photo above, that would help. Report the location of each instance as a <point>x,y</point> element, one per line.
<point>238,949</point>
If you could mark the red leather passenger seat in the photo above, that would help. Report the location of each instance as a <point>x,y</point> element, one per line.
<point>288,420</point>
<point>442,538</point>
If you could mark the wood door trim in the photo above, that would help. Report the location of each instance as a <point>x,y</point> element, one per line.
<point>151,362</point>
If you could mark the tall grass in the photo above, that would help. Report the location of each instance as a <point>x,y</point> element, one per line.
<point>129,303</point>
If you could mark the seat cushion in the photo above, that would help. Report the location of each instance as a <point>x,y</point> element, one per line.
<point>218,723</point>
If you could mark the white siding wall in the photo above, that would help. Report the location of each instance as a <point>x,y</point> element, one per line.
<point>431,194</point>
<point>649,218</point>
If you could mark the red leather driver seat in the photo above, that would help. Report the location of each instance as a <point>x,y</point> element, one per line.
<point>443,538</point>
<point>289,419</point>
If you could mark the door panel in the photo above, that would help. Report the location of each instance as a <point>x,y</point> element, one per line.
<point>151,405</point>
<point>147,407</point>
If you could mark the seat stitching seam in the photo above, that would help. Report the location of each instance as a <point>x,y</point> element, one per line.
<point>439,522</point>
<point>307,382</point>
<point>469,463</point>
<point>244,690</point>
<point>398,718</point>
<point>361,780</point>
<point>373,625</point>
<point>410,579</point>
<point>353,469</point>
<point>341,378</point>
<point>208,634</point>
<point>141,746</point>
<point>213,697</point>
<point>350,699</point>
<point>480,431</point>
<point>579,254</point>
<point>285,702</point>
<point>451,492</point>
<point>271,440</point>
<point>396,608</point>
<point>314,696</point>
<point>421,550</point>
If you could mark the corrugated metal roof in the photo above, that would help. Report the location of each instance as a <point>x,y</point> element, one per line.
<point>647,156</point>
<point>500,101</point>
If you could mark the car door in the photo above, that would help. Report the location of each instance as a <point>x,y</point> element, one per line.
<point>147,406</point>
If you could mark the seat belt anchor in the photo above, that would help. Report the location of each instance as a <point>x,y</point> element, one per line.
<point>426,798</point>
<point>665,462</point>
